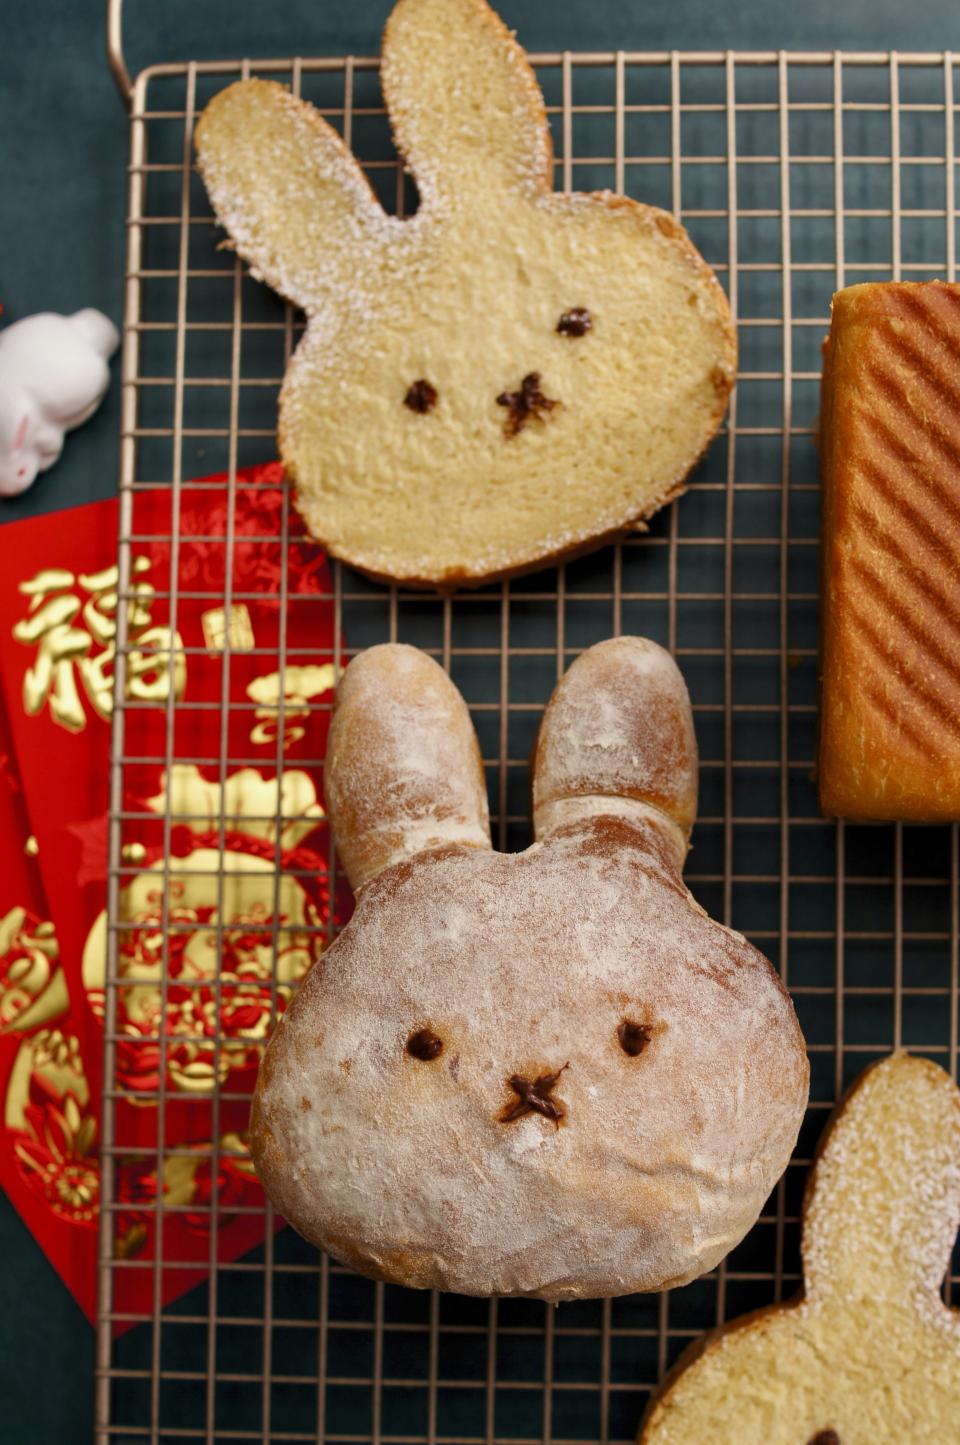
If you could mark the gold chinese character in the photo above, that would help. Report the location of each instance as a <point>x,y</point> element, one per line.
<point>296,685</point>
<point>66,650</point>
<point>59,646</point>
<point>240,632</point>
<point>100,612</point>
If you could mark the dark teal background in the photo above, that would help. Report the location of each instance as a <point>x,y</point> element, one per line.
<point>63,143</point>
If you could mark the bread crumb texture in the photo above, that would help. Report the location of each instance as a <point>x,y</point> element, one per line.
<point>467,296</point>
<point>868,1350</point>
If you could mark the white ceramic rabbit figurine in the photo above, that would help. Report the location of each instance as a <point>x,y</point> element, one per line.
<point>544,1073</point>
<point>53,375</point>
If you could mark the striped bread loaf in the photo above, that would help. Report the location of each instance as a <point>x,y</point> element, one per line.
<point>890,438</point>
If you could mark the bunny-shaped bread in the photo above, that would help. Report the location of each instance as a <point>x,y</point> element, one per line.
<point>868,1354</point>
<point>53,374</point>
<point>508,376</point>
<point>543,1073</point>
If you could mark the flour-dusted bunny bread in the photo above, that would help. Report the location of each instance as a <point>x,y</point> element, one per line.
<point>544,1073</point>
<point>53,375</point>
<point>507,377</point>
<point>867,1354</point>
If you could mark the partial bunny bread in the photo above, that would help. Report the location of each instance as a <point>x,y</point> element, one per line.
<point>868,1354</point>
<point>890,441</point>
<point>443,788</point>
<point>621,741</point>
<point>504,379</point>
<point>545,1073</point>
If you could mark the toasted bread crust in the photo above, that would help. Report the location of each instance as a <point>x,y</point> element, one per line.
<point>455,579</point>
<point>890,440</point>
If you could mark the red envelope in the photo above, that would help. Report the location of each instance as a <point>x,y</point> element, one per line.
<point>244,896</point>
<point>49,1145</point>
<point>48,1163</point>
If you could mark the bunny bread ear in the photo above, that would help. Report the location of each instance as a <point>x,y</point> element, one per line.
<point>291,195</point>
<point>403,770</point>
<point>464,104</point>
<point>617,737</point>
<point>883,1202</point>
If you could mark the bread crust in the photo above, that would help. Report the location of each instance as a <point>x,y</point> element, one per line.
<point>890,638</point>
<point>456,579</point>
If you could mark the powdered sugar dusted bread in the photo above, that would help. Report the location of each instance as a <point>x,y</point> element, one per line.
<point>545,1073</point>
<point>868,1354</point>
<point>618,738</point>
<point>508,376</point>
<point>404,778</point>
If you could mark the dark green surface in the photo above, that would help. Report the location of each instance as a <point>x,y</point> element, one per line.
<point>64,137</point>
<point>61,244</point>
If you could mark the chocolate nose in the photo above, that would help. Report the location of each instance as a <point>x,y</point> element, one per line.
<point>527,404</point>
<point>534,1097</point>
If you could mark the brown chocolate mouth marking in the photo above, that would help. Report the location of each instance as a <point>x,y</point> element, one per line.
<point>533,1097</point>
<point>527,404</point>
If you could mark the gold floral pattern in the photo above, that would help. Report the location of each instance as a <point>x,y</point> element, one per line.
<point>29,956</point>
<point>53,1126</point>
<point>207,1002</point>
<point>215,939</point>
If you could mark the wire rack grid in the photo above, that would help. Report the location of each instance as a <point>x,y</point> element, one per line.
<point>795,174</point>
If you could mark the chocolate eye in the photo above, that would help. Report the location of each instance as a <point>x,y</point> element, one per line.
<point>633,1037</point>
<point>576,322</point>
<point>421,397</point>
<point>425,1045</point>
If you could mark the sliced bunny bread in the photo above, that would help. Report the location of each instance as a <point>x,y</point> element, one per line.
<point>507,377</point>
<point>868,1353</point>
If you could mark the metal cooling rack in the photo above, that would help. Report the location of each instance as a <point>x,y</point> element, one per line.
<point>795,174</point>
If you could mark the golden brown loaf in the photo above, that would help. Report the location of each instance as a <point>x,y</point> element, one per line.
<point>868,1354</point>
<point>543,1073</point>
<point>890,442</point>
<point>508,376</point>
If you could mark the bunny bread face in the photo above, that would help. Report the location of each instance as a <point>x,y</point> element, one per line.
<point>545,1073</point>
<point>508,376</point>
<point>53,375</point>
<point>867,1354</point>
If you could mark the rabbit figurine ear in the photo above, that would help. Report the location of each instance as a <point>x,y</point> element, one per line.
<point>403,770</point>
<point>884,1199</point>
<point>294,200</point>
<point>617,737</point>
<point>464,103</point>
